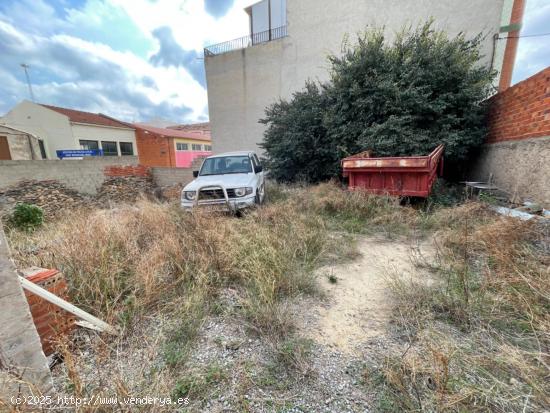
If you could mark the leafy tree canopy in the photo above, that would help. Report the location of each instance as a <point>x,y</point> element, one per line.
<point>395,99</point>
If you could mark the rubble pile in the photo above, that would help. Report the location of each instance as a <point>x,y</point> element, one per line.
<point>52,196</point>
<point>124,189</point>
<point>171,193</point>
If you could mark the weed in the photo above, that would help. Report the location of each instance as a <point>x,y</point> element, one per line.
<point>333,279</point>
<point>26,217</point>
<point>477,334</point>
<point>196,385</point>
<point>293,354</point>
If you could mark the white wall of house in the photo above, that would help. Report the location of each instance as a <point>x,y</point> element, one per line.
<point>58,132</point>
<point>243,82</point>
<point>52,127</point>
<point>102,134</point>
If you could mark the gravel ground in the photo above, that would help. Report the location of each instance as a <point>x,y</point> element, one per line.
<point>231,368</point>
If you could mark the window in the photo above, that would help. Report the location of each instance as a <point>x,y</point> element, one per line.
<point>255,163</point>
<point>126,148</point>
<point>84,144</point>
<point>208,148</point>
<point>182,146</point>
<point>266,17</point>
<point>226,165</point>
<point>109,148</point>
<point>197,147</point>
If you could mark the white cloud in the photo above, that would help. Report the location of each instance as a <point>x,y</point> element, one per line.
<point>533,52</point>
<point>191,25</point>
<point>97,57</point>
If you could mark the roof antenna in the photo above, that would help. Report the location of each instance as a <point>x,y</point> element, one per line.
<point>25,68</point>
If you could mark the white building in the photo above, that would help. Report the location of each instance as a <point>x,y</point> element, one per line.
<point>62,129</point>
<point>289,42</point>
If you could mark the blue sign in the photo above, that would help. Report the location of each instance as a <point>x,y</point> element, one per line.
<point>78,153</point>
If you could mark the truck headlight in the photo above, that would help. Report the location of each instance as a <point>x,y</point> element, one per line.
<point>239,192</point>
<point>190,195</point>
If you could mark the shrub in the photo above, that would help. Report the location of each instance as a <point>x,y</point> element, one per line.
<point>26,217</point>
<point>402,99</point>
<point>296,140</point>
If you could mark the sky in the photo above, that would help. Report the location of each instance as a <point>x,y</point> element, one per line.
<point>139,60</point>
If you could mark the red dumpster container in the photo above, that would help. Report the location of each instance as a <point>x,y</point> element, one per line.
<point>401,176</point>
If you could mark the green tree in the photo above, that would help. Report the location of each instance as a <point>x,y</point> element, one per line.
<point>396,99</point>
<point>296,140</point>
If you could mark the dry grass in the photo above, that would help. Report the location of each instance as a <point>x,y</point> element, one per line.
<point>356,212</point>
<point>479,335</point>
<point>134,261</point>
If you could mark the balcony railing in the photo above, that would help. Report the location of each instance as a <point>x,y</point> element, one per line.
<point>246,41</point>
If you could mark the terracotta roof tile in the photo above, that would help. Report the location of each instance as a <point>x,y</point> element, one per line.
<point>88,117</point>
<point>205,126</point>
<point>173,133</point>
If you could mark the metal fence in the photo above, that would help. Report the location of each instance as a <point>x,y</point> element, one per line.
<point>246,41</point>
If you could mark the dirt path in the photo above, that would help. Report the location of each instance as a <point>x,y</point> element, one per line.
<point>358,305</point>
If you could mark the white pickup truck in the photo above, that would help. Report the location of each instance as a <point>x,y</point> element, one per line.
<point>229,181</point>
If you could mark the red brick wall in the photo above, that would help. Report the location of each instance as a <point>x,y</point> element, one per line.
<point>50,320</point>
<point>522,111</point>
<point>154,150</point>
<point>126,170</point>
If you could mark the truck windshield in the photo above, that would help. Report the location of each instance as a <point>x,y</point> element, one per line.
<point>226,165</point>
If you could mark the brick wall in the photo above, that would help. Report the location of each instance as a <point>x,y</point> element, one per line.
<point>127,170</point>
<point>155,150</point>
<point>84,176</point>
<point>522,111</point>
<point>517,154</point>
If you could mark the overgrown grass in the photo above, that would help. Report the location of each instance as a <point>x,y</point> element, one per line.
<point>126,263</point>
<point>478,335</point>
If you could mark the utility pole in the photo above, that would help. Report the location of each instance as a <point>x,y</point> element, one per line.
<point>25,68</point>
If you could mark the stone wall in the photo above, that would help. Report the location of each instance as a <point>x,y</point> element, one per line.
<point>85,176</point>
<point>23,365</point>
<point>520,167</point>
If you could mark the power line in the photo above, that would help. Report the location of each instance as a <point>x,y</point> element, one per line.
<point>525,35</point>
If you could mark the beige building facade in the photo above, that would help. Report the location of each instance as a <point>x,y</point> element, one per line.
<point>62,129</point>
<point>244,76</point>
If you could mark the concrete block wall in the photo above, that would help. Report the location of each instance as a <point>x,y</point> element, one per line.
<point>23,365</point>
<point>84,176</point>
<point>171,176</point>
<point>517,153</point>
<point>163,177</point>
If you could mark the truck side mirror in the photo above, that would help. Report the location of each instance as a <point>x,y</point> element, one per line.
<point>259,169</point>
<point>195,174</point>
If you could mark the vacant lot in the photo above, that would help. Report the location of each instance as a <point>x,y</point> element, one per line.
<point>322,300</point>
